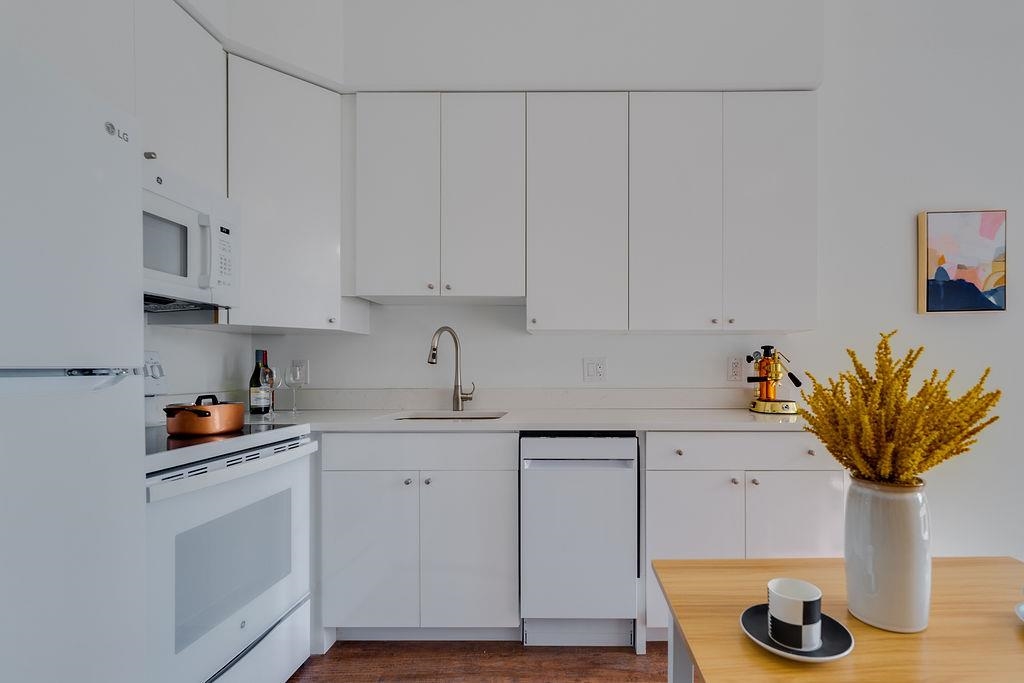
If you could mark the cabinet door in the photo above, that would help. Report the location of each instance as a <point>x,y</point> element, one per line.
<point>577,211</point>
<point>370,548</point>
<point>181,93</point>
<point>675,211</point>
<point>398,205</point>
<point>795,514</point>
<point>469,549</point>
<point>771,210</point>
<point>483,194</point>
<point>690,515</point>
<point>285,173</point>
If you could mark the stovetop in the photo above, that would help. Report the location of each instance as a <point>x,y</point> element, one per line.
<point>159,441</point>
<point>165,452</point>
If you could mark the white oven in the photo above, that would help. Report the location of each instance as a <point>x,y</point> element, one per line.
<point>190,245</point>
<point>228,546</point>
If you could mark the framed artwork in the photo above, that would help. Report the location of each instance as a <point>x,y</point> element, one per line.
<point>961,261</point>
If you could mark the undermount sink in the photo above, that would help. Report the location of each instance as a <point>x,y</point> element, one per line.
<point>450,415</point>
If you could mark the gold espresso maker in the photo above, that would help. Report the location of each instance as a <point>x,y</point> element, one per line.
<point>770,371</point>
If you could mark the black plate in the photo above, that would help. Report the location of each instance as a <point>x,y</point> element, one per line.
<point>836,640</point>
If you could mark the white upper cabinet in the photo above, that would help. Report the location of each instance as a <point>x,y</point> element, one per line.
<point>285,173</point>
<point>483,194</point>
<point>398,206</point>
<point>181,93</point>
<point>675,211</point>
<point>771,210</point>
<point>577,211</point>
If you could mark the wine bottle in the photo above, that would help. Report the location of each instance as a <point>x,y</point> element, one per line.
<point>259,396</point>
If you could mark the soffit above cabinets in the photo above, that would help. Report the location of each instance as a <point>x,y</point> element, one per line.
<point>451,45</point>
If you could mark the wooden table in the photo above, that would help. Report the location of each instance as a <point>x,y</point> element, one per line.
<point>972,635</point>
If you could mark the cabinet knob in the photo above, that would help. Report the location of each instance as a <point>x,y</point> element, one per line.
<point>430,285</point>
<point>755,482</point>
<point>533,320</point>
<point>448,287</point>
<point>810,451</point>
<point>149,155</point>
<point>735,481</point>
<point>332,320</point>
<point>714,321</point>
<point>407,482</point>
<point>427,481</point>
<point>679,451</point>
<point>732,320</point>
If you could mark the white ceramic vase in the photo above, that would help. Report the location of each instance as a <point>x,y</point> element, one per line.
<point>888,561</point>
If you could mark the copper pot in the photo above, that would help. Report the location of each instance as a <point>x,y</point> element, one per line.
<point>204,418</point>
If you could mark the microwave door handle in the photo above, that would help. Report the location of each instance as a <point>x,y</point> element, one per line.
<point>207,250</point>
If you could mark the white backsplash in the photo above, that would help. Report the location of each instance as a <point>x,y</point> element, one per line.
<point>198,361</point>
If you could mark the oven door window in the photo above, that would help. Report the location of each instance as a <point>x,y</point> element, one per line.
<point>222,565</point>
<point>164,245</point>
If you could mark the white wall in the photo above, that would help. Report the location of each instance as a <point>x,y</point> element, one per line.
<point>581,44</point>
<point>303,38</point>
<point>198,362</point>
<point>920,109</point>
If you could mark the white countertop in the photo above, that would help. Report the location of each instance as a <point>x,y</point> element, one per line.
<point>605,419</point>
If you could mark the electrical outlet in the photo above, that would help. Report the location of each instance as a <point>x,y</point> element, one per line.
<point>594,369</point>
<point>734,373</point>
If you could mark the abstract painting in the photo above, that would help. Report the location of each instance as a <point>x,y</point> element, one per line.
<point>961,261</point>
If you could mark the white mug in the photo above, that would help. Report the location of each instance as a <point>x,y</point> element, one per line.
<point>794,614</point>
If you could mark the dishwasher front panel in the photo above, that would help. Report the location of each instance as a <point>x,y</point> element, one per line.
<point>579,528</point>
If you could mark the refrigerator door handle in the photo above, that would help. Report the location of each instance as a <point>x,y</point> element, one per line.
<point>50,382</point>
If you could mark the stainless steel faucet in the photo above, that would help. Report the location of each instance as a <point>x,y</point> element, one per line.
<point>458,396</point>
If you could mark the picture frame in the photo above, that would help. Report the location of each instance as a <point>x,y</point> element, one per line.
<point>961,261</point>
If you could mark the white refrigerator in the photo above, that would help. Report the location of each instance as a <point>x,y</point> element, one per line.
<point>72,499</point>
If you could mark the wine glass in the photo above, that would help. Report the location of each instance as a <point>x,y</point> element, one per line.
<point>270,380</point>
<point>298,376</point>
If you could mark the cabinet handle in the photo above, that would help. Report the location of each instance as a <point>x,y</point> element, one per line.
<point>732,320</point>
<point>679,451</point>
<point>427,481</point>
<point>810,451</point>
<point>430,285</point>
<point>755,482</point>
<point>332,320</point>
<point>407,482</point>
<point>448,287</point>
<point>734,480</point>
<point>149,155</point>
<point>714,321</point>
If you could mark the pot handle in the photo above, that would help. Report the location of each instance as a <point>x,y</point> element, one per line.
<point>212,398</point>
<point>171,411</point>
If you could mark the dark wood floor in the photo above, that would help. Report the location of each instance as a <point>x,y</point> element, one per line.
<point>482,661</point>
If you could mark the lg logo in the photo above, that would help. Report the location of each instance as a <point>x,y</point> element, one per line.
<point>114,130</point>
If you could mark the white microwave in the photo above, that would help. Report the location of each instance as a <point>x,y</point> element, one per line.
<point>190,245</point>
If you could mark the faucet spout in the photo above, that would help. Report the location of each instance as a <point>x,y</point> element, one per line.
<point>458,395</point>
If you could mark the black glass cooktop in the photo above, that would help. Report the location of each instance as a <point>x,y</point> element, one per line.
<point>159,441</point>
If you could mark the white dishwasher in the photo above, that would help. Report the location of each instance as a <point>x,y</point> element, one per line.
<point>579,538</point>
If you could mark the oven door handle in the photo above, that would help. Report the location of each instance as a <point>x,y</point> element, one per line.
<point>168,489</point>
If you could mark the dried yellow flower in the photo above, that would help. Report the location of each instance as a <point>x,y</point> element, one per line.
<point>877,431</point>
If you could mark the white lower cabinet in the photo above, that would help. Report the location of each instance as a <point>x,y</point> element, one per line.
<point>371,548</point>
<point>469,550</point>
<point>429,538</point>
<point>690,515</point>
<point>705,499</point>
<point>795,514</point>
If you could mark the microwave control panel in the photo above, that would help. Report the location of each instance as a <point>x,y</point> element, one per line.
<point>222,258</point>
